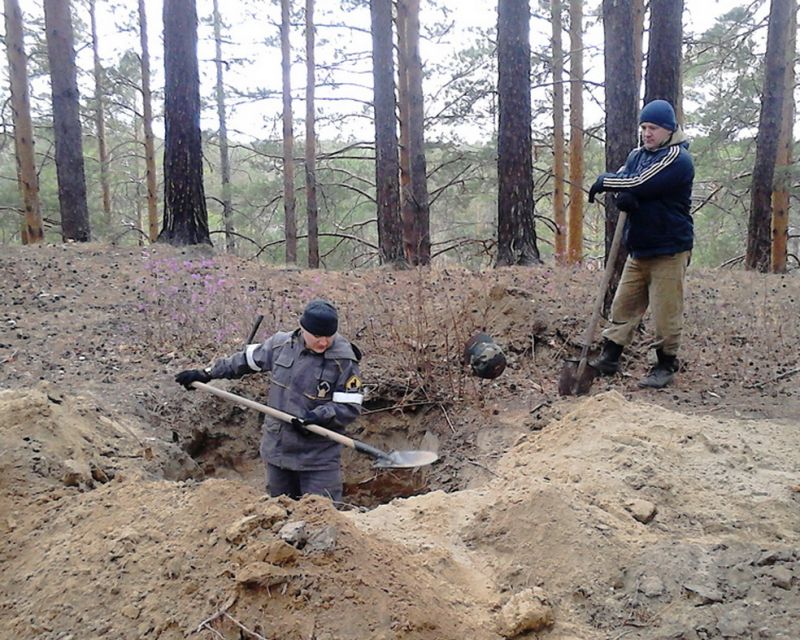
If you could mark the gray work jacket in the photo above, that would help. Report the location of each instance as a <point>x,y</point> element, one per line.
<point>301,381</point>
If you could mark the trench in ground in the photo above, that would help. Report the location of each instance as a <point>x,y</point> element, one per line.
<point>226,446</point>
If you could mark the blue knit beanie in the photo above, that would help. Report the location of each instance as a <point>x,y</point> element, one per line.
<point>659,112</point>
<point>320,318</point>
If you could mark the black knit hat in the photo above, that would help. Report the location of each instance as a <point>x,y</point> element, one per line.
<point>659,112</point>
<point>320,318</point>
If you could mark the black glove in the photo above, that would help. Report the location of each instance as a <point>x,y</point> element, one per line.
<point>309,418</point>
<point>298,424</point>
<point>189,376</point>
<point>597,187</point>
<point>626,202</point>
<point>315,416</point>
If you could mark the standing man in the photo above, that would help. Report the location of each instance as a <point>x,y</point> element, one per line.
<point>655,187</point>
<point>313,374</point>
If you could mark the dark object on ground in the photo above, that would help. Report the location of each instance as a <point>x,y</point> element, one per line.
<point>484,356</point>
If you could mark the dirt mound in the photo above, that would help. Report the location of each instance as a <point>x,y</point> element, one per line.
<point>607,519</point>
<point>54,441</point>
<point>94,548</point>
<point>632,516</point>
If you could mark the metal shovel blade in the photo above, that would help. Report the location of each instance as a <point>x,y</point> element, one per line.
<point>576,377</point>
<point>406,459</point>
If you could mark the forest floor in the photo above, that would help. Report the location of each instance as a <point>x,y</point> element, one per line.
<point>131,508</point>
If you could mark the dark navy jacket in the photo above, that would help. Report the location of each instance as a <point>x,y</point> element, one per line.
<point>662,181</point>
<point>329,384</point>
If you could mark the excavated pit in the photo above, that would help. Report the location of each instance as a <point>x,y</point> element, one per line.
<point>226,445</point>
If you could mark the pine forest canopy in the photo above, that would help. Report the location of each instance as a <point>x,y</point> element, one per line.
<point>448,185</point>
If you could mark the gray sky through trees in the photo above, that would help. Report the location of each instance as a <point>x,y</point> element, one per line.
<point>251,47</point>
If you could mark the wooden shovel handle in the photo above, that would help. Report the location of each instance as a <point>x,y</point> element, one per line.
<point>280,415</point>
<point>610,261</point>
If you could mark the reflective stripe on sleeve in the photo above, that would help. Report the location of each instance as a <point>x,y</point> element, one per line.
<point>634,181</point>
<point>249,355</point>
<point>348,398</point>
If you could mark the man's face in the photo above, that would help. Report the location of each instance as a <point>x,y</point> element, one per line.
<point>653,136</point>
<point>317,344</point>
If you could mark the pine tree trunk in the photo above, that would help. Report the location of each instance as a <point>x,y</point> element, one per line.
<point>559,212</point>
<point>417,238</point>
<point>390,232</point>
<point>137,140</point>
<point>66,122</point>
<point>185,213</point>
<point>312,209</point>
<point>783,165</point>
<point>404,108</point>
<point>99,118</point>
<point>290,216</point>
<point>32,231</point>
<point>759,242</point>
<point>638,38</point>
<point>516,237</point>
<point>664,55</point>
<point>224,158</point>
<point>576,164</point>
<point>622,113</point>
<point>147,122</point>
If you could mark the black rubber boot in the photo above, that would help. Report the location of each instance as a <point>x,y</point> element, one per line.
<point>607,363</point>
<point>662,374</point>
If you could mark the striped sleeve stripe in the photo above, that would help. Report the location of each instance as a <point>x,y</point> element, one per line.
<point>249,355</point>
<point>628,183</point>
<point>348,398</point>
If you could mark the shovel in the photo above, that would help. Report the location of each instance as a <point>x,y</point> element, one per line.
<point>383,460</point>
<point>577,375</point>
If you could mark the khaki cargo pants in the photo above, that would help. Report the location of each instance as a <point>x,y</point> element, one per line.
<point>655,282</point>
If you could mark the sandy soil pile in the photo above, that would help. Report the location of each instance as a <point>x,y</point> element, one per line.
<point>618,516</point>
<point>643,515</point>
